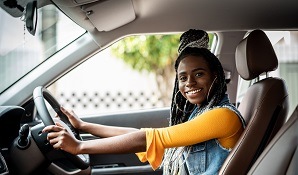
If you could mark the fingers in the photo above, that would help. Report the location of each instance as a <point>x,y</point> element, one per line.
<point>52,140</point>
<point>58,124</point>
<point>53,136</point>
<point>56,135</point>
<point>56,140</point>
<point>75,121</point>
<point>52,128</point>
<point>67,112</point>
<point>57,116</point>
<point>60,138</point>
<point>60,133</point>
<point>57,145</point>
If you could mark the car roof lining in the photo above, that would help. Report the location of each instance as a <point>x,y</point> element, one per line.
<point>228,15</point>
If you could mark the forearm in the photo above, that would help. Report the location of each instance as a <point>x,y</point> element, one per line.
<point>104,131</point>
<point>126,143</point>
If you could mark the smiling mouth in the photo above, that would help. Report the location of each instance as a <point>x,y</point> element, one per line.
<point>194,91</point>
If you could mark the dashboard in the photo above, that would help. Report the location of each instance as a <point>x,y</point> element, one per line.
<point>10,117</point>
<point>24,149</point>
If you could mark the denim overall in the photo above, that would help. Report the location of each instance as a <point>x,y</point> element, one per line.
<point>207,157</point>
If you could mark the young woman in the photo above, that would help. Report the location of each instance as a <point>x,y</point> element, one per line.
<point>200,110</point>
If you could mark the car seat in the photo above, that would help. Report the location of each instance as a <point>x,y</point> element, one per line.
<point>264,106</point>
<point>281,154</point>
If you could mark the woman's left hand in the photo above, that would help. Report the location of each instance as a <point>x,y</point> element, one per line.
<point>59,137</point>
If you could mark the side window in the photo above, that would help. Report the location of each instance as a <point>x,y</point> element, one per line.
<point>129,75</point>
<point>105,84</point>
<point>285,44</point>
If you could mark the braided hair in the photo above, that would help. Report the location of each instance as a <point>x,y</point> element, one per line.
<point>179,102</point>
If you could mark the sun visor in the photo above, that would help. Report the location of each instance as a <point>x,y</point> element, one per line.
<point>14,8</point>
<point>109,15</point>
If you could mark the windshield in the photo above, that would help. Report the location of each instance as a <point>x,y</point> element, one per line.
<point>20,52</point>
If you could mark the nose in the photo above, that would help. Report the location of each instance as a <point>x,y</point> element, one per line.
<point>190,82</point>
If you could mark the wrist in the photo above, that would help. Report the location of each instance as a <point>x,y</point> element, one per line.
<point>80,148</point>
<point>83,126</point>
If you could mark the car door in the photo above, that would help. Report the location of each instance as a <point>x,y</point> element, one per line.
<point>126,163</point>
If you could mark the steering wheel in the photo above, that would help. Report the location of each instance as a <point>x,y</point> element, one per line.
<point>41,94</point>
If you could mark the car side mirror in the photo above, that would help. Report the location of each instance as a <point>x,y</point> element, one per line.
<point>31,17</point>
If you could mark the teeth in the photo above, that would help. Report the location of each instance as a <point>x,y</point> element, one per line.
<point>195,91</point>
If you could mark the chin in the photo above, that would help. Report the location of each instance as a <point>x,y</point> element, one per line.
<point>197,102</point>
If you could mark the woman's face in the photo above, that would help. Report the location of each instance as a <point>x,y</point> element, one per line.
<point>195,79</point>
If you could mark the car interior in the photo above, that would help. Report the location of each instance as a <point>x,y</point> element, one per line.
<point>264,105</point>
<point>256,42</point>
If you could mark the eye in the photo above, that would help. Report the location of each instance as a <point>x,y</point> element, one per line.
<point>182,78</point>
<point>199,74</point>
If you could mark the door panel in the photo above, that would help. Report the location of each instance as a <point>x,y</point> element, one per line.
<point>126,163</point>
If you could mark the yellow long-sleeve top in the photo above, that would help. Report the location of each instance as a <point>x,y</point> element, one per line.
<point>219,123</point>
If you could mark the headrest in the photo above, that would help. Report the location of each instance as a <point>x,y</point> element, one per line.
<point>255,55</point>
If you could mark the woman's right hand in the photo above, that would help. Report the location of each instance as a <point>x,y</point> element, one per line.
<point>73,118</point>
<point>60,138</point>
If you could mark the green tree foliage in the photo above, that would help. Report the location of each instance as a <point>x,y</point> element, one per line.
<point>147,52</point>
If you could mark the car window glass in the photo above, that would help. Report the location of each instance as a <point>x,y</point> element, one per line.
<point>20,52</point>
<point>108,83</point>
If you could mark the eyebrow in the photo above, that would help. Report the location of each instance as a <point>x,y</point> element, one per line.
<point>194,70</point>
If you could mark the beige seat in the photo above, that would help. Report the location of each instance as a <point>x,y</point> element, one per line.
<point>264,106</point>
<point>281,155</point>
